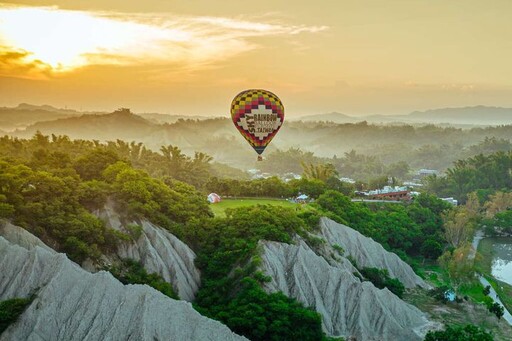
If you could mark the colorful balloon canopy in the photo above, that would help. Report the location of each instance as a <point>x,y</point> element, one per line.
<point>258,115</point>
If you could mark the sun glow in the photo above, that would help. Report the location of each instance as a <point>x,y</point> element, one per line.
<point>65,40</point>
<point>45,40</point>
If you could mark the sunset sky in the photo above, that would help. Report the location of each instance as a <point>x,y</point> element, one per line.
<point>192,57</point>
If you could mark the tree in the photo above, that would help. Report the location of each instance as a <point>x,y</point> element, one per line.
<point>459,333</point>
<point>378,182</point>
<point>319,172</point>
<point>92,164</point>
<point>380,278</point>
<point>473,206</point>
<point>343,187</point>
<point>458,264</point>
<point>398,170</point>
<point>497,309</point>
<point>311,187</point>
<point>458,226</point>
<point>431,249</point>
<point>497,203</point>
<point>503,221</point>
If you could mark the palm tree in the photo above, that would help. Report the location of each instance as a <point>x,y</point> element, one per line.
<point>319,172</point>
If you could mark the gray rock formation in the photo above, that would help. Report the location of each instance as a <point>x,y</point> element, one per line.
<point>73,304</point>
<point>161,252</point>
<point>348,306</point>
<point>20,236</point>
<point>368,253</point>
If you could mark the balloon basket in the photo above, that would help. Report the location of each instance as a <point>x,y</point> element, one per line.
<point>260,158</point>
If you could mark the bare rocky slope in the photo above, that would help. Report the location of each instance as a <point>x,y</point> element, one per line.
<point>368,253</point>
<point>21,237</point>
<point>73,304</point>
<point>349,307</point>
<point>161,252</point>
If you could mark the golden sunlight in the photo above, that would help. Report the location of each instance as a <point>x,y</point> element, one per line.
<point>66,40</point>
<point>52,40</point>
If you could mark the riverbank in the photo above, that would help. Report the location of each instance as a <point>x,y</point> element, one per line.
<point>483,265</point>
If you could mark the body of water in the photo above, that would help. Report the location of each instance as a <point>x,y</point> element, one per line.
<point>502,260</point>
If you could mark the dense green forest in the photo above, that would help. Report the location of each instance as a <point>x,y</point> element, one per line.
<point>399,160</point>
<point>53,185</point>
<point>483,174</point>
<point>410,230</point>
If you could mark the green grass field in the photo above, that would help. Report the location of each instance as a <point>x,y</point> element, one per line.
<point>219,208</point>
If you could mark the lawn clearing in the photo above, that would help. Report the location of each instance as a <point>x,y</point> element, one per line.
<point>219,208</point>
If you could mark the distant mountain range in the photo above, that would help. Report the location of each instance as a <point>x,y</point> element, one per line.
<point>478,115</point>
<point>25,114</point>
<point>169,119</point>
<point>120,124</point>
<point>219,138</point>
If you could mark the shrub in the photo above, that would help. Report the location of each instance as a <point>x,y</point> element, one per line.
<point>10,310</point>
<point>458,333</point>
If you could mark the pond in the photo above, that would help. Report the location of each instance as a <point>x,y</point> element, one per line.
<point>502,259</point>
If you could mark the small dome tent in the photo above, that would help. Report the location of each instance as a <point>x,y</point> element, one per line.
<point>213,198</point>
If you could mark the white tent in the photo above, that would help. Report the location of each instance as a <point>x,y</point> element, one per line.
<point>213,198</point>
<point>302,197</point>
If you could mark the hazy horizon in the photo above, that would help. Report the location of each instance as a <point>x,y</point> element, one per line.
<point>352,57</point>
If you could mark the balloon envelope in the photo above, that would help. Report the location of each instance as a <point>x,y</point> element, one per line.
<point>257,114</point>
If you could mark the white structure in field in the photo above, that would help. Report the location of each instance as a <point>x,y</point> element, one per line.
<point>451,200</point>
<point>213,198</point>
<point>425,172</point>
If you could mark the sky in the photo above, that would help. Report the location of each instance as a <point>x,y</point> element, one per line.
<point>192,57</point>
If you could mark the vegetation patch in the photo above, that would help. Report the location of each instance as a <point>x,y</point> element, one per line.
<point>11,309</point>
<point>132,272</point>
<point>409,230</point>
<point>468,332</point>
<point>219,209</point>
<point>235,297</point>
<point>380,278</point>
<point>483,265</point>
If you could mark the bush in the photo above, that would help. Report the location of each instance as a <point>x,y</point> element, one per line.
<point>458,333</point>
<point>431,249</point>
<point>439,293</point>
<point>10,310</point>
<point>261,316</point>
<point>497,309</point>
<point>132,272</point>
<point>380,278</point>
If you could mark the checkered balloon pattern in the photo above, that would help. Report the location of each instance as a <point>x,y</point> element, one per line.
<point>258,116</point>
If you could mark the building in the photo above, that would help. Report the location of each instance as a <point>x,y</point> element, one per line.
<point>396,193</point>
<point>451,200</point>
<point>426,172</point>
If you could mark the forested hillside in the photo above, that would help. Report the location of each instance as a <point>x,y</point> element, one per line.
<point>484,174</point>
<point>426,146</point>
<point>52,186</point>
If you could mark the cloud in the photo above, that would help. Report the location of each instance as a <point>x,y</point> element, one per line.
<point>19,64</point>
<point>48,40</point>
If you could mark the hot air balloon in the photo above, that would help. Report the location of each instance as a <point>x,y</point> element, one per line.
<point>257,114</point>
